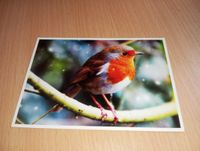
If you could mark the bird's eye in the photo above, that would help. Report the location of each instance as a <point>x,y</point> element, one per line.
<point>125,53</point>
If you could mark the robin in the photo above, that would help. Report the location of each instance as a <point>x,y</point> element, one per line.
<point>107,72</point>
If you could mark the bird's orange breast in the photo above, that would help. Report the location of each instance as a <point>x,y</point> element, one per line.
<point>121,68</point>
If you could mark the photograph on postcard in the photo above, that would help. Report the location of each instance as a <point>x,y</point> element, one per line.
<point>99,83</point>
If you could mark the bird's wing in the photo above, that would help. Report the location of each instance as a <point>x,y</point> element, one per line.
<point>91,67</point>
<point>81,75</point>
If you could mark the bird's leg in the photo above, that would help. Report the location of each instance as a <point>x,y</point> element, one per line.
<point>111,108</point>
<point>103,115</point>
<point>111,97</point>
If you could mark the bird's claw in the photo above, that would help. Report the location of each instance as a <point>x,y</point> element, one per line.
<point>103,115</point>
<point>115,120</point>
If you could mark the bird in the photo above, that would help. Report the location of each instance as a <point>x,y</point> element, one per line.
<point>107,72</point>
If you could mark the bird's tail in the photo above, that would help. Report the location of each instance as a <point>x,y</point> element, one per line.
<point>72,90</point>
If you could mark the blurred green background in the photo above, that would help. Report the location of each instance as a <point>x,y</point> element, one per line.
<point>56,61</point>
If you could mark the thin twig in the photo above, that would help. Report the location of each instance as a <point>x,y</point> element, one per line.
<point>32,91</point>
<point>128,42</point>
<point>19,121</point>
<point>45,114</point>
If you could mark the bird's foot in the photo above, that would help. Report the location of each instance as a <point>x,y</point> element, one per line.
<point>111,107</point>
<point>115,119</point>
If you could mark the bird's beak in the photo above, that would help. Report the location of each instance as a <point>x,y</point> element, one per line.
<point>139,53</point>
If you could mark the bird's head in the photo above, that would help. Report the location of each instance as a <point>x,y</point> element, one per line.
<point>121,51</point>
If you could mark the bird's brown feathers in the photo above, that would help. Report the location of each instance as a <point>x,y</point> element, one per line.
<point>89,69</point>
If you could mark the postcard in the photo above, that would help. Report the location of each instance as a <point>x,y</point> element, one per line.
<point>99,84</point>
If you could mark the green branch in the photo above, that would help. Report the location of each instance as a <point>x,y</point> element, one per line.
<point>141,115</point>
<point>128,42</point>
<point>32,91</point>
<point>19,121</point>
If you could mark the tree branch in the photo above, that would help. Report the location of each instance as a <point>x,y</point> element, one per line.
<point>128,42</point>
<point>32,91</point>
<point>45,114</point>
<point>142,115</point>
<point>19,121</point>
